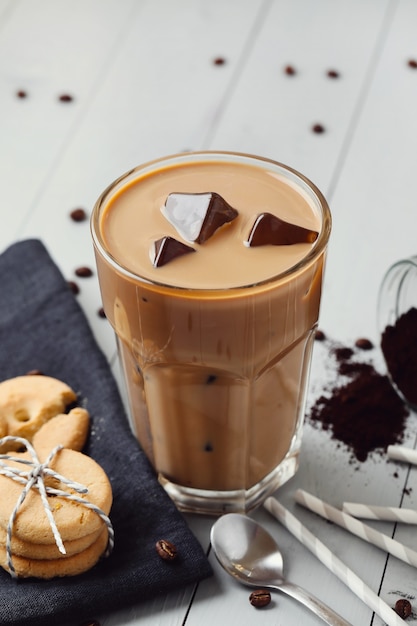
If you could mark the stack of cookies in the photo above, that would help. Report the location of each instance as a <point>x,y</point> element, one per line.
<point>84,531</point>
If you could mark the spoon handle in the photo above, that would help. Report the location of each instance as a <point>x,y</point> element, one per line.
<point>315,605</point>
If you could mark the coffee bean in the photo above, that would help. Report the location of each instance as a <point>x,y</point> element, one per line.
<point>290,70</point>
<point>78,215</point>
<point>318,128</point>
<point>74,287</point>
<point>364,344</point>
<point>260,598</point>
<point>333,74</point>
<point>34,373</point>
<point>319,336</point>
<point>166,550</point>
<point>101,313</point>
<point>219,61</point>
<point>83,272</point>
<point>403,608</point>
<point>412,63</point>
<point>21,94</point>
<point>65,97</point>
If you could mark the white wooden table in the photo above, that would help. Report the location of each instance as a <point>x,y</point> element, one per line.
<point>144,83</point>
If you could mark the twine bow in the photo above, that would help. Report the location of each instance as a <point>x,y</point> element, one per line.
<point>33,478</point>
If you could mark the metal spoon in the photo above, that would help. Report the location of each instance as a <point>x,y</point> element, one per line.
<point>248,553</point>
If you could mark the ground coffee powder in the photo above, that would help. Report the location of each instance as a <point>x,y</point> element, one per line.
<point>364,413</point>
<point>399,347</point>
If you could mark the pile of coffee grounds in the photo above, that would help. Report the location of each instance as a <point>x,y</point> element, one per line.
<point>364,412</point>
<point>399,347</point>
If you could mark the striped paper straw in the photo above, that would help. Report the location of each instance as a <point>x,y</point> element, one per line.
<point>335,565</point>
<point>383,513</point>
<point>356,527</point>
<point>401,453</point>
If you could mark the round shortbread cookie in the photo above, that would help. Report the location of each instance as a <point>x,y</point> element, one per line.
<point>48,551</point>
<point>69,430</point>
<point>27,402</point>
<point>51,568</point>
<point>74,520</point>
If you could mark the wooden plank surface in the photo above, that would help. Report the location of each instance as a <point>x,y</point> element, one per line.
<point>144,83</point>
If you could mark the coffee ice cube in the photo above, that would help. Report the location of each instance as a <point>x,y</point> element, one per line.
<point>167,249</point>
<point>269,229</point>
<point>197,216</point>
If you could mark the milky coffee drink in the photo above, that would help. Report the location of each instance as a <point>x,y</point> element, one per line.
<point>210,267</point>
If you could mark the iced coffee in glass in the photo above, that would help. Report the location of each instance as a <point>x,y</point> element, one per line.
<point>210,267</point>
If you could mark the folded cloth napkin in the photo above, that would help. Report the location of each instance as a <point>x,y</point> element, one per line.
<point>43,327</point>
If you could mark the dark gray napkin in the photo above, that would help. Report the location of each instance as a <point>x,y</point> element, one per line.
<point>42,327</point>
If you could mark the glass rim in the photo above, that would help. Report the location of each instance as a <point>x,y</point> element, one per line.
<point>392,288</point>
<point>302,181</point>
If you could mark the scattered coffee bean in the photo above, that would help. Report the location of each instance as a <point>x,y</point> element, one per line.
<point>364,344</point>
<point>333,74</point>
<point>290,70</point>
<point>83,272</point>
<point>101,313</point>
<point>211,379</point>
<point>34,373</point>
<point>318,129</point>
<point>319,336</point>
<point>219,61</point>
<point>412,63</point>
<point>21,94</point>
<point>78,215</point>
<point>403,608</point>
<point>74,287</point>
<point>208,447</point>
<point>166,550</point>
<point>260,598</point>
<point>65,97</point>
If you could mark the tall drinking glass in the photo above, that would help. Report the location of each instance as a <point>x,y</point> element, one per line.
<point>210,267</point>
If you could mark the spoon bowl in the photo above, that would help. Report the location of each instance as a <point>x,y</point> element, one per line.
<point>251,555</point>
